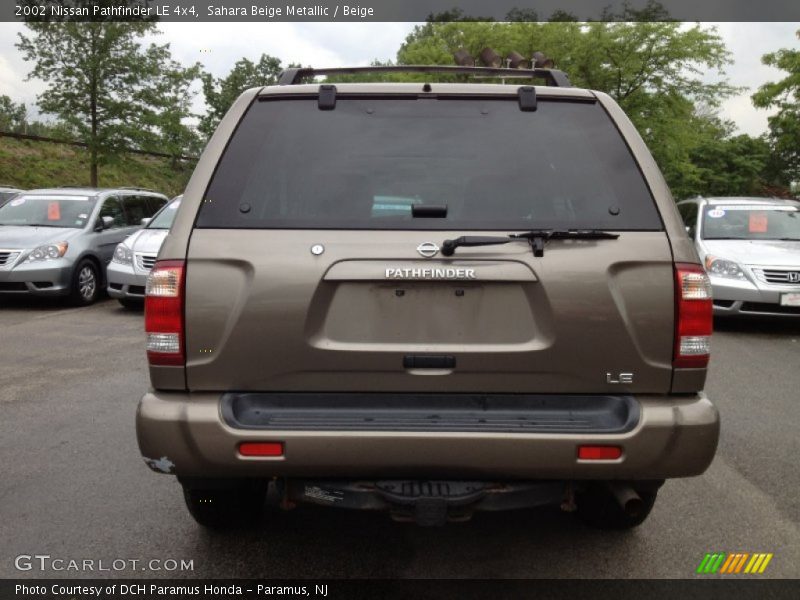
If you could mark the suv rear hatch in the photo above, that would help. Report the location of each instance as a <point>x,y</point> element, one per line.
<point>310,270</point>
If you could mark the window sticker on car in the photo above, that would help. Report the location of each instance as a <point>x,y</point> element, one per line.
<point>757,223</point>
<point>716,213</point>
<point>17,202</point>
<point>83,216</point>
<point>760,207</point>
<point>53,198</point>
<point>53,211</point>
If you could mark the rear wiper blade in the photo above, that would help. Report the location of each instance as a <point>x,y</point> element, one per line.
<point>537,238</point>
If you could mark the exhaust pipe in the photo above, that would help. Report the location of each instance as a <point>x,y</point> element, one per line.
<point>627,499</point>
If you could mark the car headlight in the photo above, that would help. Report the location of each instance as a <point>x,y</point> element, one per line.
<point>123,255</point>
<point>720,267</point>
<point>48,251</point>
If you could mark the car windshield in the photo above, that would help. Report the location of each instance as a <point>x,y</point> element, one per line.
<point>751,222</point>
<point>48,210</point>
<point>165,217</point>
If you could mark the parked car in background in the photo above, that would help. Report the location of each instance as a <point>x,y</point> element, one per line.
<point>57,242</point>
<point>750,248</point>
<point>134,257</point>
<point>7,193</point>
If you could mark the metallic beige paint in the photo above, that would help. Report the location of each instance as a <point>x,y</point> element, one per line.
<point>676,437</point>
<point>272,316</point>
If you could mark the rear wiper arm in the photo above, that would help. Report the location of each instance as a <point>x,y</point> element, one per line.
<point>537,238</point>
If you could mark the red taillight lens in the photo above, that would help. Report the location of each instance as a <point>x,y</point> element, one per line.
<point>163,314</point>
<point>694,318</point>
<point>599,452</point>
<point>261,448</point>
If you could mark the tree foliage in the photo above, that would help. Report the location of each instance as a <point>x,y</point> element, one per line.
<point>101,81</point>
<point>220,93</point>
<point>784,126</point>
<point>12,115</point>
<point>171,102</point>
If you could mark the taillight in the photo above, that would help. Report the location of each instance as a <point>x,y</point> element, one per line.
<point>163,314</point>
<point>693,319</point>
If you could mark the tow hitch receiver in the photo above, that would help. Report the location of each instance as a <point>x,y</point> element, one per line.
<point>425,502</point>
<point>429,503</point>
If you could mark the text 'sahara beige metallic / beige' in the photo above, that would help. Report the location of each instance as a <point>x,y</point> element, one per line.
<point>431,299</point>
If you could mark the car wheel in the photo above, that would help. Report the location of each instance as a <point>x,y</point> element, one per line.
<point>85,283</point>
<point>228,507</point>
<point>598,507</point>
<point>131,304</point>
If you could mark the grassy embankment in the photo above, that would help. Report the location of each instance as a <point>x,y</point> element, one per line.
<point>30,165</point>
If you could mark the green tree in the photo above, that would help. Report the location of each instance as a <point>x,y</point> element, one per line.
<point>221,92</point>
<point>169,120</point>
<point>99,80</point>
<point>784,126</point>
<point>12,115</point>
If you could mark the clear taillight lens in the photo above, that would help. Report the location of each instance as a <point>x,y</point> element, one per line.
<point>163,313</point>
<point>694,318</point>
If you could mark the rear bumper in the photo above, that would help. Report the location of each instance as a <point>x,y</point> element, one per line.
<point>186,434</point>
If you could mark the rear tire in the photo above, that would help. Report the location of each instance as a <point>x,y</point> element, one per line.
<point>85,288</point>
<point>237,505</point>
<point>598,508</point>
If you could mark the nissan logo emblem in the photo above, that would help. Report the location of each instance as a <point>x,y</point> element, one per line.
<point>428,249</point>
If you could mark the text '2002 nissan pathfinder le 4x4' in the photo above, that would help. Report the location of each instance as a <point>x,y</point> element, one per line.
<point>428,298</point>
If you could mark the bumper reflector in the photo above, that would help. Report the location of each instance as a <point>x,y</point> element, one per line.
<point>599,452</point>
<point>261,448</point>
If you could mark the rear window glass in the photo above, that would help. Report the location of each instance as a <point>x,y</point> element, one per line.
<point>366,163</point>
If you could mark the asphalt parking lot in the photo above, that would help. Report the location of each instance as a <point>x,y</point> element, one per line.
<point>75,487</point>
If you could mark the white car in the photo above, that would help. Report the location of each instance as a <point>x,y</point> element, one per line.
<point>134,257</point>
<point>750,248</point>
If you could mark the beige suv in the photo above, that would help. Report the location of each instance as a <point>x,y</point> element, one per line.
<point>430,299</point>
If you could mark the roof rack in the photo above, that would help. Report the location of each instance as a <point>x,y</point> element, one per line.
<point>554,77</point>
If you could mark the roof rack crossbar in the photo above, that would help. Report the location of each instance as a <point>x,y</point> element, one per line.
<point>554,77</point>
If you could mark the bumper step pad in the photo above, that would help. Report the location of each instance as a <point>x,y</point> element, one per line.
<point>502,413</point>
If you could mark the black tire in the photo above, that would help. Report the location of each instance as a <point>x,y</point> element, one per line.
<point>226,507</point>
<point>85,288</point>
<point>131,304</point>
<point>598,508</point>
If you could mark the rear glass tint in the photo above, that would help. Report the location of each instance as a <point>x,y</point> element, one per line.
<point>366,163</point>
